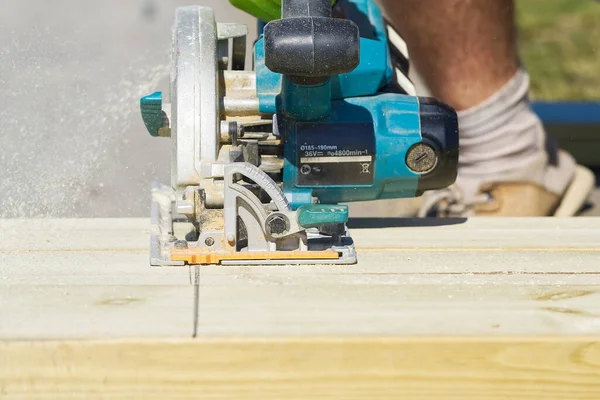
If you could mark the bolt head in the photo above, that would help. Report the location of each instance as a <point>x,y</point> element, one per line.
<point>421,158</point>
<point>209,241</point>
<point>277,225</point>
<point>305,169</point>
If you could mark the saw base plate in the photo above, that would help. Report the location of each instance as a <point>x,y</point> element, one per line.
<point>322,250</point>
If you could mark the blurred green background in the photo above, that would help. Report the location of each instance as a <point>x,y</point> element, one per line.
<point>560,45</point>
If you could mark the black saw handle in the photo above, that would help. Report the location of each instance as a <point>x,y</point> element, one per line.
<point>308,45</point>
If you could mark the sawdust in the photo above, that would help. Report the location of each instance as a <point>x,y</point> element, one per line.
<point>72,143</point>
<point>212,220</point>
<point>54,138</point>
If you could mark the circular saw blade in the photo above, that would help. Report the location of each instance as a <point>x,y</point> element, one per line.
<point>194,94</point>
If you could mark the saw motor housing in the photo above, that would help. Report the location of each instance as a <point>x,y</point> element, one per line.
<point>262,159</point>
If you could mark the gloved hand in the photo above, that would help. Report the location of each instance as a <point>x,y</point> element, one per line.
<point>264,10</point>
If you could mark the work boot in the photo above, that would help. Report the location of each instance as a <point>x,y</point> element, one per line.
<point>518,197</point>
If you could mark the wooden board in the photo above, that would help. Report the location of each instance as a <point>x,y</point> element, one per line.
<point>70,279</point>
<point>299,369</point>
<point>478,309</point>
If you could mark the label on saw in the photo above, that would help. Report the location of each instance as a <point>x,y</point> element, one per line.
<point>335,154</point>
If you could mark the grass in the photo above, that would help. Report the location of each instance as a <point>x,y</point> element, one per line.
<point>560,45</point>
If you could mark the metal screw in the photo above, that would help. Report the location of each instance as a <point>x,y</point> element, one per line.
<point>181,244</point>
<point>209,241</point>
<point>305,169</point>
<point>277,225</point>
<point>421,158</point>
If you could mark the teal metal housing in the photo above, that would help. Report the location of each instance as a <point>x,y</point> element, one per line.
<point>394,121</point>
<point>350,104</point>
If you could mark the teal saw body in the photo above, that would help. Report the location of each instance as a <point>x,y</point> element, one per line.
<point>352,136</point>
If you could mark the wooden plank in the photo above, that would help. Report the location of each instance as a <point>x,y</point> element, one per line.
<point>409,309</point>
<point>118,234</point>
<point>83,279</point>
<point>554,368</point>
<point>399,295</point>
<point>132,234</point>
<point>476,277</point>
<point>478,233</point>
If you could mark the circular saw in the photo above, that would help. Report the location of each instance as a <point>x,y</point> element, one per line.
<point>264,159</point>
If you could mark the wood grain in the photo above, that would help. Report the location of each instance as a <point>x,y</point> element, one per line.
<point>479,309</point>
<point>310,368</point>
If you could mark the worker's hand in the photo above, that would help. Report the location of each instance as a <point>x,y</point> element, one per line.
<point>264,10</point>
